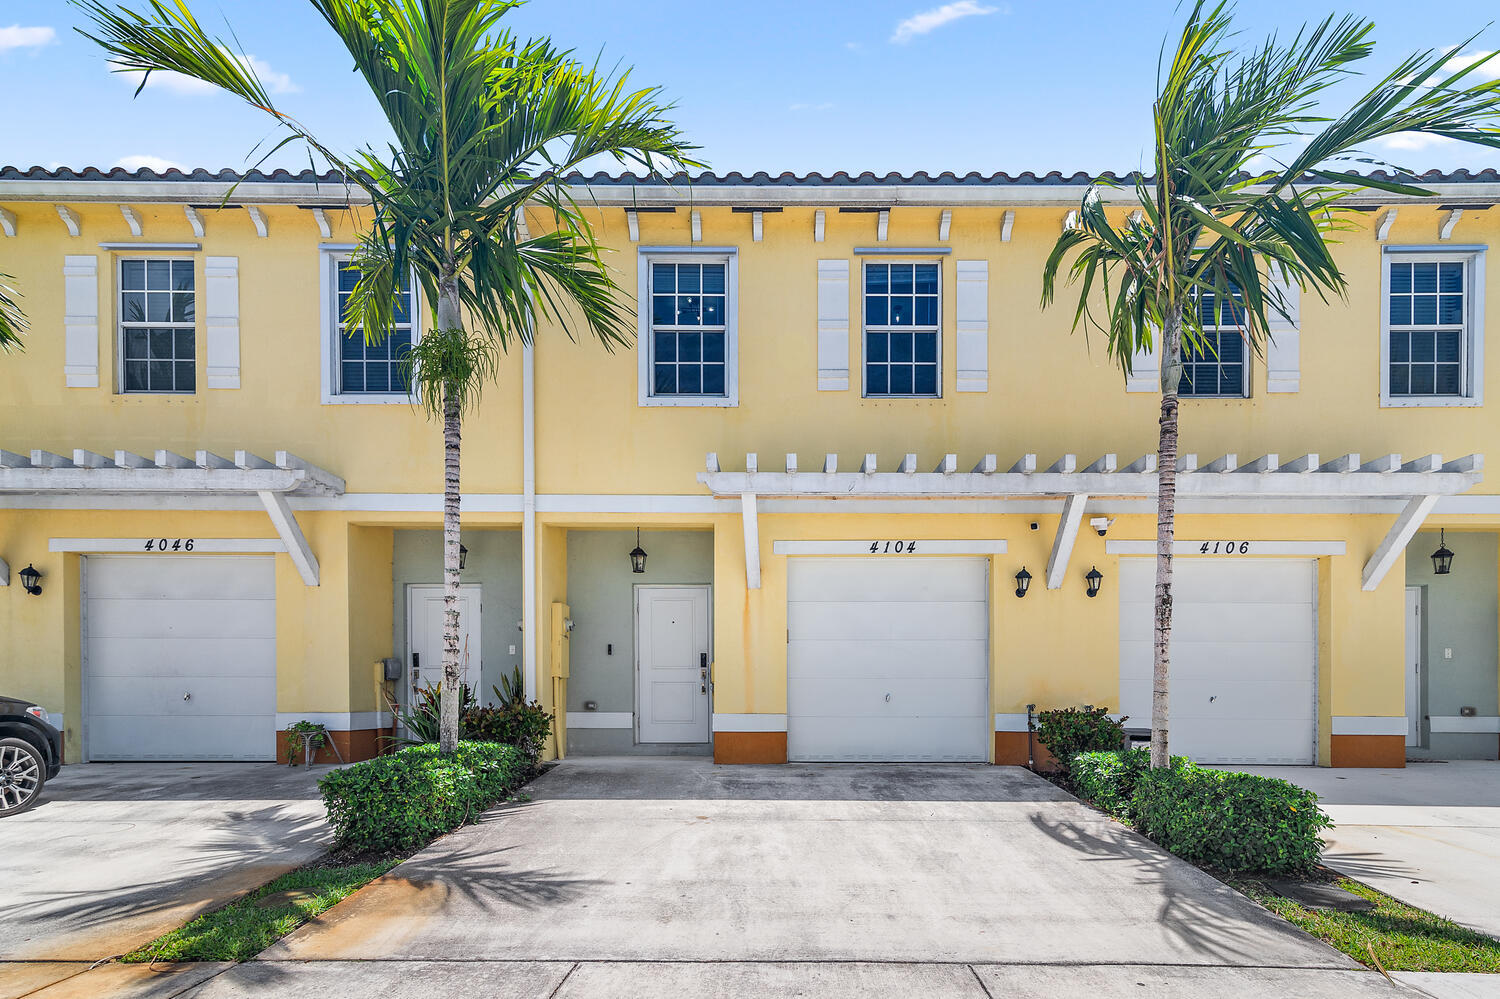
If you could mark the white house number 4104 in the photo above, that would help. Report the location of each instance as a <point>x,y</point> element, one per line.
<point>1224,548</point>
<point>892,547</point>
<point>169,544</point>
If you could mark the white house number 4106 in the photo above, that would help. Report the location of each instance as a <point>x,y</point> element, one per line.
<point>1224,548</point>
<point>169,544</point>
<point>892,547</point>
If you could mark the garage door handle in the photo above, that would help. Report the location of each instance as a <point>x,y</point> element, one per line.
<point>187,697</point>
<point>887,698</point>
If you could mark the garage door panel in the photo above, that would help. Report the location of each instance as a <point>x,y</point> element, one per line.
<point>1269,661</point>
<point>1239,741</point>
<point>183,577</point>
<point>849,739</point>
<point>929,658</point>
<point>171,619</point>
<point>906,579</point>
<point>909,696</point>
<point>885,620</point>
<point>1219,621</point>
<point>159,627</point>
<point>183,657</point>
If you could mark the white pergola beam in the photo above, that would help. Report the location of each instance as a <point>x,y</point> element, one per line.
<point>1385,464</point>
<point>1304,464</point>
<point>791,464</point>
<point>1343,464</point>
<point>88,459</point>
<point>988,464</point>
<point>1067,535</point>
<point>1065,465</point>
<point>1025,466</point>
<point>125,459</point>
<point>908,465</point>
<point>1106,464</point>
<point>1223,463</point>
<point>830,464</point>
<point>291,535</point>
<point>752,540</point>
<point>1265,463</point>
<point>949,464</point>
<point>46,459</point>
<point>869,465</point>
<point>1145,463</point>
<point>1396,540</point>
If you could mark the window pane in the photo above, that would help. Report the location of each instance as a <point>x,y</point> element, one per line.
<point>663,277</point>
<point>348,277</point>
<point>1424,278</point>
<point>1422,346</point>
<point>713,279</point>
<point>159,376</point>
<point>1448,346</point>
<point>135,376</point>
<point>926,311</point>
<point>351,348</point>
<point>713,379</point>
<point>689,278</point>
<point>901,347</point>
<point>184,345</point>
<point>1400,310</point>
<point>689,379</point>
<point>182,275</point>
<point>1451,277</point>
<point>133,307</point>
<point>875,312</point>
<point>377,377</point>
<point>136,344</point>
<point>161,344</point>
<point>187,376</point>
<point>402,312</point>
<point>926,346</point>
<point>666,379</point>
<point>1400,347</point>
<point>689,347</point>
<point>1206,311</point>
<point>877,278</point>
<point>713,347</point>
<point>713,310</point>
<point>877,379</point>
<point>901,310</point>
<point>1424,310</point>
<point>663,310</point>
<point>901,279</point>
<point>1447,379</point>
<point>1400,379</point>
<point>1422,382</point>
<point>689,308</point>
<point>353,376</point>
<point>901,379</point>
<point>401,376</point>
<point>1231,348</point>
<point>877,347</point>
<point>927,279</point>
<point>1232,379</point>
<point>158,308</point>
<point>1401,279</point>
<point>926,380</point>
<point>182,307</point>
<point>1451,310</point>
<point>666,346</point>
<point>133,275</point>
<point>159,275</point>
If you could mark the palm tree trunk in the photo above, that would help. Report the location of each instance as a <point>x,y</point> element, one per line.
<point>1166,530</point>
<point>451,694</point>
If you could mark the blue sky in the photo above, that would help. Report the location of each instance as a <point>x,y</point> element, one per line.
<point>777,85</point>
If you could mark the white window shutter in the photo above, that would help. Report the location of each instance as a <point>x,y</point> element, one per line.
<point>222,321</point>
<point>833,325</point>
<point>81,321</point>
<point>1145,370</point>
<point>1284,345</point>
<point>972,301</point>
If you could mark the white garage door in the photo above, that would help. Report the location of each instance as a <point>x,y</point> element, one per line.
<point>1244,643</point>
<point>181,658</point>
<point>887,659</point>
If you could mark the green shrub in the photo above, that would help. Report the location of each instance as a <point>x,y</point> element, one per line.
<point>405,799</point>
<point>1235,822</point>
<point>1108,779</point>
<point>516,723</point>
<point>1067,732</point>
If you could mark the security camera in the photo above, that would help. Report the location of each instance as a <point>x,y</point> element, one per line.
<point>1101,524</point>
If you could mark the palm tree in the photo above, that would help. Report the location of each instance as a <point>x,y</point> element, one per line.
<point>483,126</point>
<point>1207,227</point>
<point>12,319</point>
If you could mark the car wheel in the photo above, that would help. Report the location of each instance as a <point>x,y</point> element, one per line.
<point>22,774</point>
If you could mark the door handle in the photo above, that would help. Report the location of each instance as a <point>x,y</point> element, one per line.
<point>187,696</point>
<point>703,672</point>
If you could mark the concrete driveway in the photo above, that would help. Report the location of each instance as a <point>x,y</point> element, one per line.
<point>649,877</point>
<point>1428,834</point>
<point>116,854</point>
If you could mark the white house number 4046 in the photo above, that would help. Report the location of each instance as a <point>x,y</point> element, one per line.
<point>1224,548</point>
<point>169,544</point>
<point>892,547</point>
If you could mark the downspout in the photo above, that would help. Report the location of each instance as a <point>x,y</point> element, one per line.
<point>530,633</point>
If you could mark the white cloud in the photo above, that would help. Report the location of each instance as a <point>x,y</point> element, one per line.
<point>1407,142</point>
<point>17,37</point>
<point>930,20</point>
<point>805,106</point>
<point>1489,71</point>
<point>147,163</point>
<point>852,46</point>
<point>186,86</point>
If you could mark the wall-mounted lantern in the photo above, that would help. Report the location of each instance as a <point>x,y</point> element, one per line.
<point>1023,582</point>
<point>463,557</point>
<point>1442,559</point>
<point>1095,579</point>
<point>638,554</point>
<point>31,580</point>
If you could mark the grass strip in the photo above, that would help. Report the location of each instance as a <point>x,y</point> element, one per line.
<point>243,929</point>
<point>1400,936</point>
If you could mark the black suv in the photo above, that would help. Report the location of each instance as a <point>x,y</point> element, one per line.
<point>30,754</point>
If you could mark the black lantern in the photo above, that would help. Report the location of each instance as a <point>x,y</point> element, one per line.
<point>1095,579</point>
<point>31,580</point>
<point>463,556</point>
<point>1442,559</point>
<point>1023,582</point>
<point>638,554</point>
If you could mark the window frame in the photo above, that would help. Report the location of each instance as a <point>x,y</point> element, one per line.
<point>864,327</point>
<point>1246,356</point>
<point>146,254</point>
<point>331,256</point>
<point>1471,343</point>
<point>645,342</point>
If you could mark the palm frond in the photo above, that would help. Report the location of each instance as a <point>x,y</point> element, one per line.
<point>12,320</point>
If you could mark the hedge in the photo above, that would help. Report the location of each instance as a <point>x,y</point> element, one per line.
<point>1066,732</point>
<point>406,799</point>
<point>1234,822</point>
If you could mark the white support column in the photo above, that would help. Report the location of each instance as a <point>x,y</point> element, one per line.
<point>531,638</point>
<point>1067,534</point>
<point>752,541</point>
<point>291,535</point>
<point>1396,540</point>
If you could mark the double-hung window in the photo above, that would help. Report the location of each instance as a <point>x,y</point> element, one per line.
<point>1216,366</point>
<point>357,371</point>
<point>158,326</point>
<point>902,330</point>
<point>1433,342</point>
<point>687,330</point>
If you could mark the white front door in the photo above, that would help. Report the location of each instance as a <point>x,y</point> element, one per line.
<point>424,636</point>
<point>671,650</point>
<point>888,659</point>
<point>1244,656</point>
<point>180,657</point>
<point>1413,665</point>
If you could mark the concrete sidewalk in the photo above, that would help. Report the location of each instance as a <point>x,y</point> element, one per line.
<point>1428,834</point>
